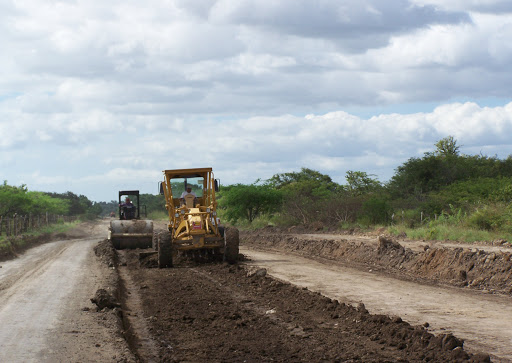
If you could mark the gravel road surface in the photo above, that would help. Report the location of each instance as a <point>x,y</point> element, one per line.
<point>45,309</point>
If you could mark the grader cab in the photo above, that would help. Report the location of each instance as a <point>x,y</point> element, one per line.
<point>193,226</point>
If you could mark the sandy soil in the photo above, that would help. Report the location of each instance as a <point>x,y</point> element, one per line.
<point>45,309</point>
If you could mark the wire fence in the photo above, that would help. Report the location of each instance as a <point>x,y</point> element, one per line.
<point>19,224</point>
<point>422,217</point>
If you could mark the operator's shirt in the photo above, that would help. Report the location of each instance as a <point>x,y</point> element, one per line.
<point>185,193</point>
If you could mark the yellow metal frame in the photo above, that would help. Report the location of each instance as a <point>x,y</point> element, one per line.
<point>193,228</point>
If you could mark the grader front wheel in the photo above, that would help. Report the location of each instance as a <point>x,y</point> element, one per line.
<point>231,244</point>
<point>165,250</point>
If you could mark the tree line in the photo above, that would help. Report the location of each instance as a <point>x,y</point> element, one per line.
<point>442,183</point>
<point>18,200</point>
<point>439,183</point>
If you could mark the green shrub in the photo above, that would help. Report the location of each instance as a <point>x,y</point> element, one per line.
<point>487,218</point>
<point>247,202</point>
<point>503,194</point>
<point>376,211</point>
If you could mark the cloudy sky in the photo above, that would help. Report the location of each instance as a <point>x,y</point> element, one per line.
<point>97,96</point>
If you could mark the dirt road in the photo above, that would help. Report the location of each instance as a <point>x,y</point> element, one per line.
<point>221,312</point>
<point>482,320</point>
<point>45,309</point>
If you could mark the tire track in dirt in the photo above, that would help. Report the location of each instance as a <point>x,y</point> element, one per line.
<point>17,271</point>
<point>30,306</point>
<point>136,328</point>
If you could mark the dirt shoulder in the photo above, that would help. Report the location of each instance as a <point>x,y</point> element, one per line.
<point>487,268</point>
<point>16,246</point>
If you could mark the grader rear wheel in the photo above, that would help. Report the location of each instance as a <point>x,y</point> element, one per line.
<point>231,244</point>
<point>165,250</point>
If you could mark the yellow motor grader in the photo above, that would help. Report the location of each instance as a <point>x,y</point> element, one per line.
<point>193,224</point>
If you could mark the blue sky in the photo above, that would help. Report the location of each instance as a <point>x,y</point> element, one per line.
<point>99,96</point>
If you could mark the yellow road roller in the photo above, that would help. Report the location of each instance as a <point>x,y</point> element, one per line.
<point>130,231</point>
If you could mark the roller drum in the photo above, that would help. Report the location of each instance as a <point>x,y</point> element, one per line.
<point>131,233</point>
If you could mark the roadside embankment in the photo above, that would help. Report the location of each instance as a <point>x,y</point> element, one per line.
<point>463,266</point>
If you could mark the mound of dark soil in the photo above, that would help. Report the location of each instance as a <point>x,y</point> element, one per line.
<point>102,299</point>
<point>106,253</point>
<point>220,312</point>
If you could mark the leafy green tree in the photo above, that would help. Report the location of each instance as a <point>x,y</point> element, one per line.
<point>420,176</point>
<point>13,199</point>
<point>416,177</point>
<point>304,200</point>
<point>360,183</point>
<point>246,202</point>
<point>107,207</point>
<point>435,170</point>
<point>305,195</point>
<point>42,203</point>
<point>153,203</point>
<point>78,204</point>
<point>447,147</point>
<point>21,201</point>
<point>93,211</point>
<point>503,193</point>
<point>306,176</point>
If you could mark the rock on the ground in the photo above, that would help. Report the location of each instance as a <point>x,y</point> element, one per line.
<point>103,299</point>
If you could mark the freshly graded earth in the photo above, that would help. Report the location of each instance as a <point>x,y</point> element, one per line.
<point>231,313</point>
